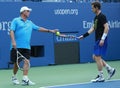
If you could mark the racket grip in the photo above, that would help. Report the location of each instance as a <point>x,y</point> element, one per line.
<point>15,49</point>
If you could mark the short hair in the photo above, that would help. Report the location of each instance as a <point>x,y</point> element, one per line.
<point>96,5</point>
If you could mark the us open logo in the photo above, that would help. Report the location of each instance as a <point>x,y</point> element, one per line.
<point>66,12</point>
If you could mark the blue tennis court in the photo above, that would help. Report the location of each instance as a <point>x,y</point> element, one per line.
<point>107,84</point>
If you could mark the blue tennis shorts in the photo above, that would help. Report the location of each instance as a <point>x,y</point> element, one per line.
<point>100,50</point>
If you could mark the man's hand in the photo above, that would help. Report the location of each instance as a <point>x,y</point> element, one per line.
<point>80,37</point>
<point>101,42</point>
<point>14,44</point>
<point>54,31</point>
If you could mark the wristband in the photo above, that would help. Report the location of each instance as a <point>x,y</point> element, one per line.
<point>104,36</point>
<point>86,34</point>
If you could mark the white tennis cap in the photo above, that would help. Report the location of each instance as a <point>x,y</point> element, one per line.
<point>25,8</point>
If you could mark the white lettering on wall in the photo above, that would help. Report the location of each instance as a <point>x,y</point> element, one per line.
<point>112,24</point>
<point>60,39</point>
<point>66,11</point>
<point>5,26</point>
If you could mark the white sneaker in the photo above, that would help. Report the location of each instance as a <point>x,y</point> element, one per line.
<point>27,82</point>
<point>98,79</point>
<point>111,72</point>
<point>15,81</point>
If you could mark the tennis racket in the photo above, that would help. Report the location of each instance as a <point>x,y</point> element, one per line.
<point>21,60</point>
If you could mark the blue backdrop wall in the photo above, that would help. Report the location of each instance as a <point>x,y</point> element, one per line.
<point>74,18</point>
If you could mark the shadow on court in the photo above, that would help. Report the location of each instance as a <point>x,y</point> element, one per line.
<point>107,84</point>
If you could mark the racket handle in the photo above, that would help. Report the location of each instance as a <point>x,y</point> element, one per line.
<point>15,49</point>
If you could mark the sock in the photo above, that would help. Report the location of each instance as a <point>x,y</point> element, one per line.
<point>101,73</point>
<point>25,77</point>
<point>108,67</point>
<point>14,75</point>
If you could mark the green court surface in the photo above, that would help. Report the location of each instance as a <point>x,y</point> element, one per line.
<point>57,75</point>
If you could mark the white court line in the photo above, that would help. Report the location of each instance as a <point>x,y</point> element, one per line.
<point>76,84</point>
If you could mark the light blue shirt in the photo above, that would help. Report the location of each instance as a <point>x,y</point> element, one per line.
<point>22,32</point>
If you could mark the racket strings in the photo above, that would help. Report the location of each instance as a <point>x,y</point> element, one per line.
<point>22,62</point>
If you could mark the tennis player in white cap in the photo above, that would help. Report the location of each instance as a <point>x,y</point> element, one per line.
<point>20,33</point>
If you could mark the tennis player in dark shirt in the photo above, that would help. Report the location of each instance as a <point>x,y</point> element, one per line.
<point>101,29</point>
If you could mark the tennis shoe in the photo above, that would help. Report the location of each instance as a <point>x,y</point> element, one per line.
<point>27,82</point>
<point>111,72</point>
<point>15,80</point>
<point>98,79</point>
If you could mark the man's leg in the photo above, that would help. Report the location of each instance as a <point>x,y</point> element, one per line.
<point>15,69</point>
<point>110,70</point>
<point>14,78</point>
<point>99,63</point>
<point>26,68</point>
<point>13,57</point>
<point>26,80</point>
